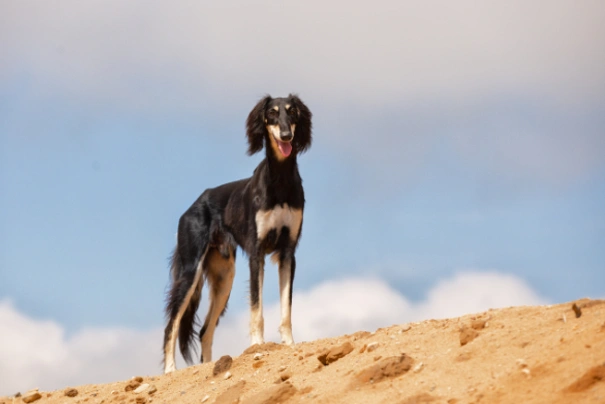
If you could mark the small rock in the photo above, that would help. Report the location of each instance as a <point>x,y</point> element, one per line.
<point>31,396</point>
<point>285,376</point>
<point>418,367</point>
<point>138,379</point>
<point>152,389</point>
<point>132,385</point>
<point>257,356</point>
<point>334,354</point>
<point>371,347</point>
<point>69,392</point>
<point>405,328</point>
<point>141,388</point>
<point>223,364</point>
<point>282,368</point>
<point>576,310</point>
<point>386,368</point>
<point>140,400</point>
<point>206,397</point>
<point>363,348</point>
<point>227,375</point>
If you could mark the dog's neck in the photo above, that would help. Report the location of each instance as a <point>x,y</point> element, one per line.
<point>281,169</point>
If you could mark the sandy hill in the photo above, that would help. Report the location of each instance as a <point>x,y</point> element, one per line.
<point>547,354</point>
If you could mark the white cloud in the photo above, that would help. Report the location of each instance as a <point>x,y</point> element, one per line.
<point>372,52</point>
<point>37,353</point>
<point>349,305</point>
<point>473,291</point>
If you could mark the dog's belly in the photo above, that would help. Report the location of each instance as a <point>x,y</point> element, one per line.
<point>277,218</point>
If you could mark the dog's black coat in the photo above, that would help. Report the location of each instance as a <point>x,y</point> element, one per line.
<point>226,216</point>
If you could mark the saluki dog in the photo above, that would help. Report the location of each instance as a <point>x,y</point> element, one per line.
<point>262,214</point>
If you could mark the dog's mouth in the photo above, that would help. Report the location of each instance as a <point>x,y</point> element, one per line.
<point>285,148</point>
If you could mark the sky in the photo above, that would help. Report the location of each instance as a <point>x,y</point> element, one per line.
<point>458,164</point>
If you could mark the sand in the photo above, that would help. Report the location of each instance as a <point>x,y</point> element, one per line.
<point>544,354</point>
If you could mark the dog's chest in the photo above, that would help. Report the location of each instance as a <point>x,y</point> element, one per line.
<point>277,218</point>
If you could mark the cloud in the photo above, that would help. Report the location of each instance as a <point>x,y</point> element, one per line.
<point>473,291</point>
<point>345,306</point>
<point>373,53</point>
<point>392,84</point>
<point>38,353</point>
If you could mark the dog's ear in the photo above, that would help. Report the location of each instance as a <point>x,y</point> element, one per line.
<point>302,134</point>
<point>255,126</point>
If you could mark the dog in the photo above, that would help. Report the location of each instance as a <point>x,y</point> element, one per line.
<point>262,214</point>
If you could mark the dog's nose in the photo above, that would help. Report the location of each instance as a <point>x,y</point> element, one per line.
<point>286,136</point>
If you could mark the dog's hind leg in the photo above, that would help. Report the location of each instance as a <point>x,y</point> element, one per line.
<point>257,322</point>
<point>287,266</point>
<point>183,299</point>
<point>220,274</point>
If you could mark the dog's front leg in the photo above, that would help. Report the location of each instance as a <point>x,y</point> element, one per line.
<point>287,265</point>
<point>257,322</point>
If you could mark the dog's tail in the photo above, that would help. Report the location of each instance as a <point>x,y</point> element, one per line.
<point>182,303</point>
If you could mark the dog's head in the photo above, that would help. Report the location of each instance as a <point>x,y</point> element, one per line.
<point>285,123</point>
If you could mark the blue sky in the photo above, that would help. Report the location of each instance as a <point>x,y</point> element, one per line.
<point>448,140</point>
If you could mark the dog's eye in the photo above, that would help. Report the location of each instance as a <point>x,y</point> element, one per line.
<point>292,111</point>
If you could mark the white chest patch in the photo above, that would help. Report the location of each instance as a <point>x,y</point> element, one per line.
<point>277,218</point>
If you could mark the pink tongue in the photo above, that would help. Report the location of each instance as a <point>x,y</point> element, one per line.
<point>285,148</point>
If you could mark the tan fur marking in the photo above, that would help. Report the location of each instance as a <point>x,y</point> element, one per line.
<point>275,257</point>
<point>274,133</point>
<point>277,218</point>
<point>222,270</point>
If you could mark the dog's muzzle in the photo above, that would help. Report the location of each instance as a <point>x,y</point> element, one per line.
<point>286,136</point>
